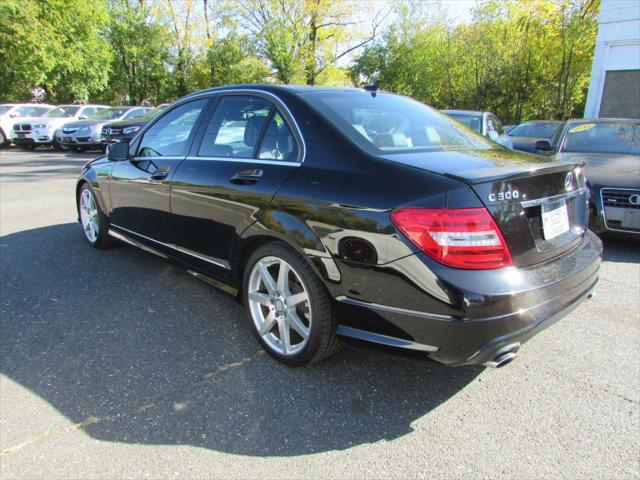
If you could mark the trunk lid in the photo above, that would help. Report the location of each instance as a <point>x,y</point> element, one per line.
<point>540,206</point>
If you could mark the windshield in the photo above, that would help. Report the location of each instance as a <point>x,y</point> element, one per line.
<point>535,130</point>
<point>62,112</point>
<point>389,123</point>
<point>5,108</point>
<point>110,113</point>
<point>609,137</point>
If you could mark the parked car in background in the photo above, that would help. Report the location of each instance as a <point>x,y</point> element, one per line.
<point>87,134</point>
<point>351,212</point>
<point>485,123</point>
<point>10,113</point>
<point>127,129</point>
<point>525,135</point>
<point>31,132</point>
<point>610,150</point>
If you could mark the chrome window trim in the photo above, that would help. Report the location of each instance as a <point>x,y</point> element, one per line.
<point>603,212</point>
<point>174,247</point>
<point>241,159</point>
<point>277,101</point>
<point>553,198</point>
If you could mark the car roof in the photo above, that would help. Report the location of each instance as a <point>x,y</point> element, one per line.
<point>26,105</point>
<point>270,88</point>
<point>464,112</point>
<point>541,121</point>
<point>604,120</point>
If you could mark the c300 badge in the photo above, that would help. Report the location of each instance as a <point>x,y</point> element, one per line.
<point>508,195</point>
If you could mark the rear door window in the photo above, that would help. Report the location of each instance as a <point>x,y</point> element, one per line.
<point>236,127</point>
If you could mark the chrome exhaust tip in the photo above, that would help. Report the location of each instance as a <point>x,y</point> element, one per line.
<point>504,357</point>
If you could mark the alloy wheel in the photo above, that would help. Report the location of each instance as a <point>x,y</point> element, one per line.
<point>279,305</point>
<point>89,216</point>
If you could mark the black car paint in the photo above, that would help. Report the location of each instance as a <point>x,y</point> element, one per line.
<point>398,294</point>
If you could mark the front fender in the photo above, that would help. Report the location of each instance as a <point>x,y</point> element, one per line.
<point>96,173</point>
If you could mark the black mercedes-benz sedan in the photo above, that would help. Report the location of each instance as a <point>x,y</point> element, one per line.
<point>335,213</point>
<point>610,150</point>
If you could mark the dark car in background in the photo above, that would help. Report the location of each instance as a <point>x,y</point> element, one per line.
<point>87,134</point>
<point>485,123</point>
<point>127,129</point>
<point>525,135</point>
<point>351,213</point>
<point>610,151</point>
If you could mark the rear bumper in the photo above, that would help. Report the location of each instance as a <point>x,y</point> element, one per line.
<point>496,309</point>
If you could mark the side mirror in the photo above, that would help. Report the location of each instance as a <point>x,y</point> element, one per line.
<point>544,146</point>
<point>14,115</point>
<point>82,117</point>
<point>118,152</point>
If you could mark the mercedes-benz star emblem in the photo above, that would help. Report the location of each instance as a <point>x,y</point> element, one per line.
<point>634,199</point>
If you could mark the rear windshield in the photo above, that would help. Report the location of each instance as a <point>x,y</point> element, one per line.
<point>110,113</point>
<point>472,121</point>
<point>62,112</point>
<point>609,137</point>
<point>535,130</point>
<point>387,123</point>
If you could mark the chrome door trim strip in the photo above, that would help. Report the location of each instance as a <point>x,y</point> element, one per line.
<point>135,243</point>
<point>604,215</point>
<point>252,160</point>
<point>553,198</point>
<point>174,247</point>
<point>397,310</point>
<point>383,339</point>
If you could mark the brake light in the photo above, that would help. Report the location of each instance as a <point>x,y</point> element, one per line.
<point>460,238</point>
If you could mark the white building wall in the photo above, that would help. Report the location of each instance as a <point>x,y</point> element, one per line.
<point>617,47</point>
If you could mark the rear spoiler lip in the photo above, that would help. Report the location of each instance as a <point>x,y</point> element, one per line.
<point>506,173</point>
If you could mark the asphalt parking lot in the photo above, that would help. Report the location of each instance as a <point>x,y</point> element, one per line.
<point>117,364</point>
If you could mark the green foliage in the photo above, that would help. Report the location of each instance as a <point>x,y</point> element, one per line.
<point>55,44</point>
<point>141,50</point>
<point>520,59</point>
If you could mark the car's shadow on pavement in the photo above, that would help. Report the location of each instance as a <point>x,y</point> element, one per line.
<point>133,349</point>
<point>618,250</point>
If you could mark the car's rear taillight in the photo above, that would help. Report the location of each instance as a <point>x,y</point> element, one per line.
<point>461,238</point>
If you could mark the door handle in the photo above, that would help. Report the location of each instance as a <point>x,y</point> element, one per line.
<point>161,173</point>
<point>247,177</point>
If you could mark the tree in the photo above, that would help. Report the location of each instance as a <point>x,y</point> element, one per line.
<point>141,46</point>
<point>53,45</point>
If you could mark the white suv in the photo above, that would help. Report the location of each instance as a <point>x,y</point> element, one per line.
<point>31,132</point>
<point>10,113</point>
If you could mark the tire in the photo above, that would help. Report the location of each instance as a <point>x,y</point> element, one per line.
<point>3,140</point>
<point>267,310</point>
<point>92,218</point>
<point>57,146</point>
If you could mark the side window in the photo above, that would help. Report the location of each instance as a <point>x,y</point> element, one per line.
<point>236,126</point>
<point>170,134</point>
<point>278,142</point>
